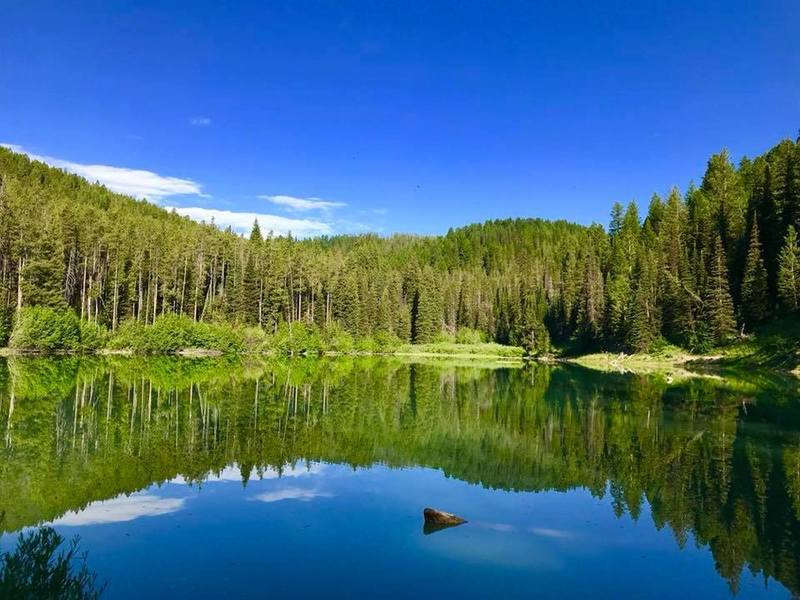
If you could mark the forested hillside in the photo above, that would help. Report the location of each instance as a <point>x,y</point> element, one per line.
<point>696,269</point>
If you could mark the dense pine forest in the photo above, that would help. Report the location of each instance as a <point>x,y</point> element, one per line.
<point>697,269</point>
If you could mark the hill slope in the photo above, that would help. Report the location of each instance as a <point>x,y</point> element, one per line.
<point>696,270</point>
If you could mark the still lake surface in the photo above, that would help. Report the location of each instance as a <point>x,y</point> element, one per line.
<point>226,478</point>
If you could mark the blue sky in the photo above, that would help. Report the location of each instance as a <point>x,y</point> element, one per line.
<point>397,116</point>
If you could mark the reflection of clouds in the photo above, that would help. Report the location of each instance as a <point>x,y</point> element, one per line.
<point>291,493</point>
<point>120,509</point>
<point>234,473</point>
<point>504,527</point>
<point>550,533</point>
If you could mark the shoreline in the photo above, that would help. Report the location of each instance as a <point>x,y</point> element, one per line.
<point>680,364</point>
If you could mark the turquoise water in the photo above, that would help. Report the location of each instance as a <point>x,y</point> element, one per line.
<point>209,478</point>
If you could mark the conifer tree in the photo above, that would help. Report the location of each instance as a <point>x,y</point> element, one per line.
<point>754,281</point>
<point>789,272</point>
<point>427,319</point>
<point>718,305</point>
<point>43,273</point>
<point>645,313</point>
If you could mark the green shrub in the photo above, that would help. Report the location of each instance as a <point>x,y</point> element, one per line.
<point>93,336</point>
<point>44,329</point>
<point>336,339</point>
<point>172,333</point>
<point>295,339</point>
<point>253,339</point>
<point>444,337</point>
<point>367,345</point>
<point>387,342</point>
<point>466,335</point>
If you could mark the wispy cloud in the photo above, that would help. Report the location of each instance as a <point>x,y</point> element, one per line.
<point>291,493</point>
<point>243,221</point>
<point>133,182</point>
<point>200,121</point>
<point>120,509</point>
<point>293,203</point>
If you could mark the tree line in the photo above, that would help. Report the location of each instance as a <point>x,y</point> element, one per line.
<point>696,269</point>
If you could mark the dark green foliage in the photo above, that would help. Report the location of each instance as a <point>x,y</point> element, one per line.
<point>754,283</point>
<point>427,309</point>
<point>172,333</point>
<point>122,264</point>
<point>789,272</point>
<point>466,335</point>
<point>6,322</point>
<point>36,569</point>
<point>46,329</point>
<point>717,303</point>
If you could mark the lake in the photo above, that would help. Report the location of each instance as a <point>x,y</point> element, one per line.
<point>242,478</point>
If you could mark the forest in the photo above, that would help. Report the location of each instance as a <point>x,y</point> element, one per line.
<point>82,267</point>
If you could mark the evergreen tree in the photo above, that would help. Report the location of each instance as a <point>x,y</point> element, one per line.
<point>426,317</point>
<point>789,272</point>
<point>645,314</point>
<point>754,281</point>
<point>718,305</point>
<point>43,272</point>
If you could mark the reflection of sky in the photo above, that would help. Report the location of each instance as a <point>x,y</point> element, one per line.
<point>292,493</point>
<point>234,473</point>
<point>550,544</point>
<point>153,502</point>
<point>121,509</point>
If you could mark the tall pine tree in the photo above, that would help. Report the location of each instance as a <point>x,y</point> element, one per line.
<point>718,304</point>
<point>754,281</point>
<point>789,272</point>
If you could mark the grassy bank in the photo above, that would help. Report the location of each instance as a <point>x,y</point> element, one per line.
<point>477,350</point>
<point>774,347</point>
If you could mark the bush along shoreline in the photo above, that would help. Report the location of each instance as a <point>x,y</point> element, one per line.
<point>40,330</point>
<point>43,330</point>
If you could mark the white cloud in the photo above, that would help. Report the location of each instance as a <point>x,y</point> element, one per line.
<point>243,221</point>
<point>120,509</point>
<point>291,493</point>
<point>296,204</point>
<point>200,121</point>
<point>133,182</point>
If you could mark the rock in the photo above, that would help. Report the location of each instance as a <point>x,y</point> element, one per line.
<point>440,517</point>
<point>436,520</point>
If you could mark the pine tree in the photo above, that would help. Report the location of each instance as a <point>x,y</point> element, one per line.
<point>645,325</point>
<point>43,273</point>
<point>427,313</point>
<point>754,281</point>
<point>789,272</point>
<point>718,305</point>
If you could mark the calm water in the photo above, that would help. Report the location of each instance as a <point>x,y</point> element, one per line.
<point>208,478</point>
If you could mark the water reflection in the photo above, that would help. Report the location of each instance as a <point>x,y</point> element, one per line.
<point>717,462</point>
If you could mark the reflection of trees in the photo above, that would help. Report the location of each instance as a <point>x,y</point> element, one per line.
<point>713,460</point>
